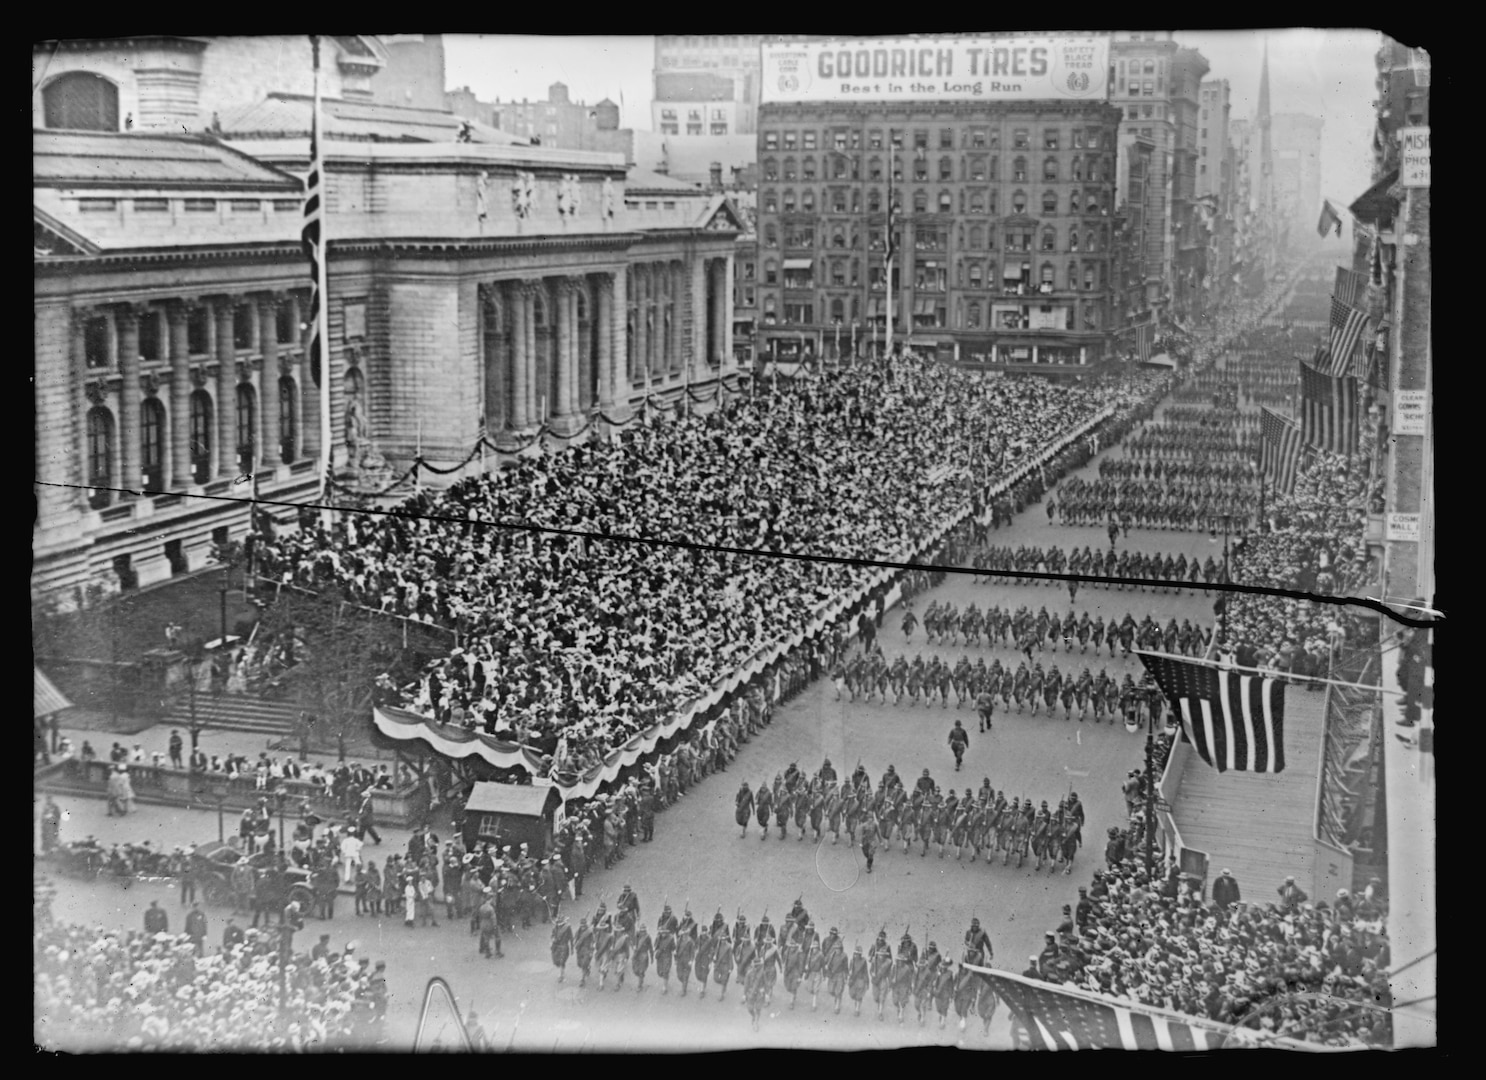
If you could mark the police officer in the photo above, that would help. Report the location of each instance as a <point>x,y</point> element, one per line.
<point>959,739</point>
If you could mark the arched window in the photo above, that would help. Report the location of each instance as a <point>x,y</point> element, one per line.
<point>874,201</point>
<point>771,169</point>
<point>1073,203</point>
<point>1019,203</point>
<point>1047,274</point>
<point>771,235</point>
<point>975,275</point>
<point>771,201</point>
<point>1019,170</point>
<point>247,407</point>
<point>856,200</point>
<point>1072,275</point>
<point>789,168</point>
<point>972,313</point>
<point>201,437</point>
<point>288,419</point>
<point>1073,238</point>
<point>1088,277</point>
<point>152,443</point>
<point>81,101</point>
<point>1089,240</point>
<point>946,204</point>
<point>1050,169</point>
<point>838,311</point>
<point>771,271</point>
<point>789,200</point>
<point>1049,240</point>
<point>807,169</point>
<point>874,169</point>
<point>807,201</point>
<point>100,456</point>
<point>978,202</point>
<point>1049,202</point>
<point>1078,168</point>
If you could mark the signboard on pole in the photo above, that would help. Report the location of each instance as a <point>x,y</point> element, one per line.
<point>1413,162</point>
<point>1057,68</point>
<point>1408,412</point>
<point>1403,527</point>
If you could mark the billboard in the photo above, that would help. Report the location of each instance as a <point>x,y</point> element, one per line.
<point>960,68</point>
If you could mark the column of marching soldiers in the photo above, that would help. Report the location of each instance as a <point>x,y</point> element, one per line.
<point>615,944</point>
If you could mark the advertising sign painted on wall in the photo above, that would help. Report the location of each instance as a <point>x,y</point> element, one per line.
<point>937,69</point>
<point>1414,156</point>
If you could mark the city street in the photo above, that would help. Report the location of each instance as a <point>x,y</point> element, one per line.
<point>698,857</point>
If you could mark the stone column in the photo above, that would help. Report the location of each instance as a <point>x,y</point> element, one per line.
<point>225,458</point>
<point>517,307</point>
<point>642,321</point>
<point>727,314</point>
<point>682,360</point>
<point>564,351</point>
<point>269,454</point>
<point>79,412</point>
<point>602,321</point>
<point>697,311</point>
<point>536,403</point>
<point>126,320</point>
<point>583,373</point>
<point>716,282</point>
<point>176,316</point>
<point>619,339</point>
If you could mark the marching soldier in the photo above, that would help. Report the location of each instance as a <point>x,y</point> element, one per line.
<point>959,741</point>
<point>743,808</point>
<point>686,949</point>
<point>562,946</point>
<point>665,947</point>
<point>722,956</point>
<point>644,948</point>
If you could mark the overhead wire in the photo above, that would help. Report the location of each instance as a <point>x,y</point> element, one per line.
<point>814,557</point>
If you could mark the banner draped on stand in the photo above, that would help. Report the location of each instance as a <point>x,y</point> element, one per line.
<point>458,742</point>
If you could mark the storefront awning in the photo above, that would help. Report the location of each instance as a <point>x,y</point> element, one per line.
<point>798,264</point>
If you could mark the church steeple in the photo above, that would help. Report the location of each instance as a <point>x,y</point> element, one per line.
<point>1264,89</point>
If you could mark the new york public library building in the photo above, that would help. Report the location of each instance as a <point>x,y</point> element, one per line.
<point>473,289</point>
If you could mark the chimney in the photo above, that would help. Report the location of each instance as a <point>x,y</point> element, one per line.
<point>715,171</point>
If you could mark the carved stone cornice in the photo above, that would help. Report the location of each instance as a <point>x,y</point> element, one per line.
<point>149,383</point>
<point>199,378</point>
<point>96,391</point>
<point>286,365</point>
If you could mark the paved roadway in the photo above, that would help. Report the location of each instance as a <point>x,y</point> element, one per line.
<point>700,859</point>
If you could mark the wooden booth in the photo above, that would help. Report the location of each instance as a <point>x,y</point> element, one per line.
<point>511,814</point>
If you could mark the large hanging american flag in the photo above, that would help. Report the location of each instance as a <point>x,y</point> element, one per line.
<point>1280,451</point>
<point>310,234</point>
<point>1350,288</point>
<point>1348,327</point>
<point>1234,721</point>
<point>1143,342</point>
<point>1328,411</point>
<point>1062,1018</point>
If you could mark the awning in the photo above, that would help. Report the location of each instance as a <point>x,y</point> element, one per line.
<point>49,699</point>
<point>1161,360</point>
<point>1010,271</point>
<point>798,264</point>
<point>529,800</point>
<point>1374,204</point>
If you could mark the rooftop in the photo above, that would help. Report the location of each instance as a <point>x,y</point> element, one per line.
<point>128,160</point>
<point>279,115</point>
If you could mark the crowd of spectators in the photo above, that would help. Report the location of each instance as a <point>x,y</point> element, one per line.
<point>601,640</point>
<point>98,989</point>
<point>1317,544</point>
<point>1287,967</point>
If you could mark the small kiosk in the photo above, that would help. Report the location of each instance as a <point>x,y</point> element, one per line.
<point>511,814</point>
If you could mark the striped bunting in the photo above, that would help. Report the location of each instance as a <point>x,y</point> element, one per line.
<point>310,233</point>
<point>1234,721</point>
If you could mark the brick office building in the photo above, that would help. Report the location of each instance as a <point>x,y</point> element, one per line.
<point>1003,216</point>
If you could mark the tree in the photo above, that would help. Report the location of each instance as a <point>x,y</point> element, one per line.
<point>333,652</point>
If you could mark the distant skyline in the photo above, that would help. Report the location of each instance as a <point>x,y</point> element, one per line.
<point>1321,72</point>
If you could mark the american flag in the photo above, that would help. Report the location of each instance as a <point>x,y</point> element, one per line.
<point>1280,455</point>
<point>1143,342</point>
<point>1233,721</point>
<point>1061,1018</point>
<point>1348,326</point>
<point>1328,411</point>
<point>1350,288</point>
<point>310,235</point>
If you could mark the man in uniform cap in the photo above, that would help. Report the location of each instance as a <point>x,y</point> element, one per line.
<point>1032,972</point>
<point>1225,890</point>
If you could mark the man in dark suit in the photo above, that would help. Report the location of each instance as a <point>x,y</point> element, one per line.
<point>1225,890</point>
<point>196,928</point>
<point>155,919</point>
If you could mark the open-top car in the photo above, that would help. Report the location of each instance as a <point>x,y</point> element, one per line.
<point>214,863</point>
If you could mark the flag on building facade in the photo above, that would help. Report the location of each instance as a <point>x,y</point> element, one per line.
<point>1349,325</point>
<point>1328,411</point>
<point>310,234</point>
<point>1233,721</point>
<point>1062,1018</point>
<point>1280,451</point>
<point>1351,287</point>
<point>1143,342</point>
<point>1329,219</point>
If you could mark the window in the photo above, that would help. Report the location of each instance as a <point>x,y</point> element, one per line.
<point>856,140</point>
<point>198,332</point>
<point>838,235</point>
<point>807,201</point>
<point>1093,140</point>
<point>972,315</point>
<point>96,343</point>
<point>98,206</point>
<point>201,437</point>
<point>920,140</point>
<point>1019,170</point>
<point>838,311</point>
<point>946,169</point>
<point>874,169</point>
<point>769,315</point>
<point>807,169</point>
<point>1047,276</point>
<point>975,275</point>
<point>789,168</point>
<point>149,335</point>
<point>1019,202</point>
<point>201,206</point>
<point>100,456</point>
<point>719,129</point>
<point>946,204</point>
<point>1073,203</point>
<point>771,201</point>
<point>791,140</point>
<point>920,202</point>
<point>1050,139</point>
<point>771,140</point>
<point>977,169</point>
<point>920,169</point>
<point>668,114</point>
<point>152,443</point>
<point>1050,169</point>
<point>1088,278</point>
<point>245,206</point>
<point>1073,238</point>
<point>977,202</point>
<point>946,138</point>
<point>771,169</point>
<point>978,138</point>
<point>874,140</point>
<point>808,140</point>
<point>748,271</point>
<point>81,101</point>
<point>1021,139</point>
<point>977,238</point>
<point>1049,240</point>
<point>151,206</point>
<point>288,419</point>
<point>789,201</point>
<point>669,128</point>
<point>771,272</point>
<point>246,415</point>
<point>1078,139</point>
<point>771,235</point>
<point>719,114</point>
<point>1078,169</point>
<point>874,201</point>
<point>242,327</point>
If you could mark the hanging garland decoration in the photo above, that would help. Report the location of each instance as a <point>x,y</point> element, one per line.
<point>411,474</point>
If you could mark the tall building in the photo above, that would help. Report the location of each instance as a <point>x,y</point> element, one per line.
<point>1296,141</point>
<point>475,288</point>
<point>1212,136</point>
<point>996,208</point>
<point>1142,63</point>
<point>1189,228</point>
<point>413,74</point>
<point>705,84</point>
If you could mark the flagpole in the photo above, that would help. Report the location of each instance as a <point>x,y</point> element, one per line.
<point>1285,676</point>
<point>888,285</point>
<point>322,312</point>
